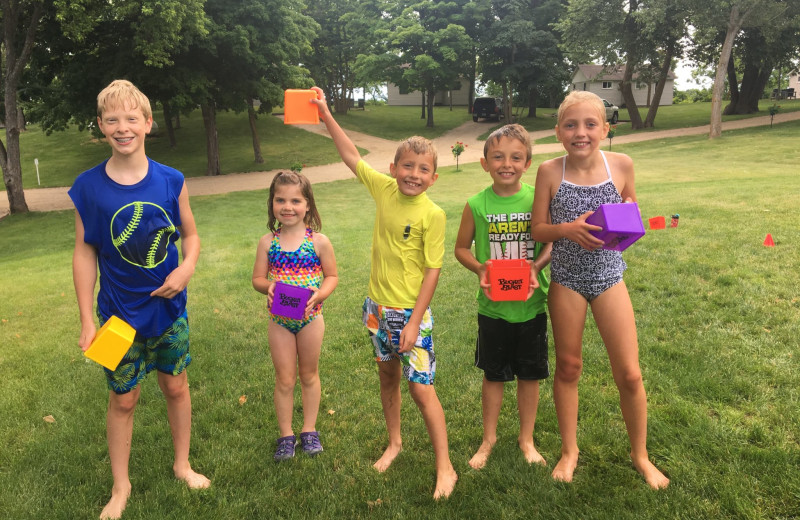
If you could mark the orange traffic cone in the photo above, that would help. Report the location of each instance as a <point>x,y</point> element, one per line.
<point>768,241</point>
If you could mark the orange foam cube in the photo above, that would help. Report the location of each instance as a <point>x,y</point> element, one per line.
<point>111,343</point>
<point>298,109</point>
<point>657,222</point>
<point>509,279</point>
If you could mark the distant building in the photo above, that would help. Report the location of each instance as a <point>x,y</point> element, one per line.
<point>398,97</point>
<point>605,83</point>
<point>794,82</point>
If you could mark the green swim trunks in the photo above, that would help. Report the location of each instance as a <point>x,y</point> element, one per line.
<point>168,353</point>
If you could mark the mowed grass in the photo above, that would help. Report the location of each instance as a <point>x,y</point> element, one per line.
<point>717,316</point>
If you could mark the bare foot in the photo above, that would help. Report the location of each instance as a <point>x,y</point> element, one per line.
<point>565,468</point>
<point>383,463</point>
<point>193,480</point>
<point>478,461</point>
<point>652,475</point>
<point>532,455</point>
<point>115,506</point>
<point>445,482</point>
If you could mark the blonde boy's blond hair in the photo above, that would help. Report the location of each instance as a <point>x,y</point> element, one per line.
<point>512,131</point>
<point>582,96</point>
<point>418,145</point>
<point>118,93</point>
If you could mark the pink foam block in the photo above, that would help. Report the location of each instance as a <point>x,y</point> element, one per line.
<point>621,223</point>
<point>290,301</point>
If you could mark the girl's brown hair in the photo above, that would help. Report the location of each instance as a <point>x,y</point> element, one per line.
<point>312,218</point>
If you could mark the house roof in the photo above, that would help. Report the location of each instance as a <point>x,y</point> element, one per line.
<point>613,73</point>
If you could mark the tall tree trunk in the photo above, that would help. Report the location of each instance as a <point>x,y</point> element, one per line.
<point>735,22</point>
<point>472,73</point>
<point>212,140</point>
<point>533,100</point>
<point>173,142</point>
<point>508,105</point>
<point>251,113</point>
<point>661,84</point>
<point>754,81</point>
<point>431,98</point>
<point>15,58</point>
<point>424,106</point>
<point>733,87</point>
<point>10,154</point>
<point>627,93</point>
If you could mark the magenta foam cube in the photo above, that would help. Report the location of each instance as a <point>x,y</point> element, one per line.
<point>290,300</point>
<point>621,223</point>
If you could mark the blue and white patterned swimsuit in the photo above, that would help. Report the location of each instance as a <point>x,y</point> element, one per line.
<point>589,273</point>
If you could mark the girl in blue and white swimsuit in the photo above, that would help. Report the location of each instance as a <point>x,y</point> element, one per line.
<point>587,272</point>
<point>568,190</point>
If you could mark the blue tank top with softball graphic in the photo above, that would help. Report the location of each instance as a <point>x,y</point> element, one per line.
<point>134,230</point>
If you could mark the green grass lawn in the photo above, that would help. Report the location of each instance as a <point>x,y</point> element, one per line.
<point>397,123</point>
<point>717,316</point>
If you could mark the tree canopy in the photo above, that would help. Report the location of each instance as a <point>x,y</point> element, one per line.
<point>241,54</point>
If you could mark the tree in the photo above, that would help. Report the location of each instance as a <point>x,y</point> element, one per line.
<point>431,45</point>
<point>730,16</point>
<point>136,40</point>
<point>521,51</point>
<point>644,35</point>
<point>252,52</point>
<point>347,30</point>
<point>20,25</point>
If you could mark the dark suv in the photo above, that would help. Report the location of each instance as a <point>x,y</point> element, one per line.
<point>487,108</point>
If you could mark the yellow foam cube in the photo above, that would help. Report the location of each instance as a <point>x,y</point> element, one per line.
<point>111,343</point>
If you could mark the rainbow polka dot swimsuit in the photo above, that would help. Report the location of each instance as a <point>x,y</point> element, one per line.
<point>301,268</point>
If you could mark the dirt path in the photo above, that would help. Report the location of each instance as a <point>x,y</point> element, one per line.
<point>381,153</point>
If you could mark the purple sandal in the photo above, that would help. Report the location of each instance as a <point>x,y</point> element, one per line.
<point>310,443</point>
<point>285,448</point>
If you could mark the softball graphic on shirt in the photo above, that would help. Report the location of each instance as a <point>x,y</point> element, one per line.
<point>141,231</point>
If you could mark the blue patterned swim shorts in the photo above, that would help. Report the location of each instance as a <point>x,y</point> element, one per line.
<point>168,353</point>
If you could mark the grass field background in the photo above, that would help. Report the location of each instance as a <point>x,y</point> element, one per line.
<point>717,315</point>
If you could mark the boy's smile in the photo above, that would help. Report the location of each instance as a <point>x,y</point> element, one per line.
<point>414,173</point>
<point>125,128</point>
<point>506,160</point>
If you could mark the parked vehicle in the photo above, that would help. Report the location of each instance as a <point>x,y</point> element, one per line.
<point>487,108</point>
<point>612,112</point>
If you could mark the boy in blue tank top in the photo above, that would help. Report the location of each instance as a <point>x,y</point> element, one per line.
<point>512,335</point>
<point>130,213</point>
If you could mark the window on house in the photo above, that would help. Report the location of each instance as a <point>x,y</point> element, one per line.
<point>606,85</point>
<point>403,89</point>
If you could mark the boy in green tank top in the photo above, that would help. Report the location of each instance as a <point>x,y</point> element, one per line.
<point>512,335</point>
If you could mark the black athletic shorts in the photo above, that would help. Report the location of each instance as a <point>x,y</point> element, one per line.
<point>505,350</point>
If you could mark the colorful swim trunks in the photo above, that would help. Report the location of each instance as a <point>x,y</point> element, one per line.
<point>385,325</point>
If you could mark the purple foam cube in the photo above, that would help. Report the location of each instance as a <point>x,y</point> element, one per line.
<point>621,223</point>
<point>290,300</point>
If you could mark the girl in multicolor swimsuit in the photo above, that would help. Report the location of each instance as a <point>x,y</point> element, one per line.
<point>568,190</point>
<point>294,252</point>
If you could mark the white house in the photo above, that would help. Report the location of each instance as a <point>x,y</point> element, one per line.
<point>605,83</point>
<point>397,97</point>
<point>794,82</point>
